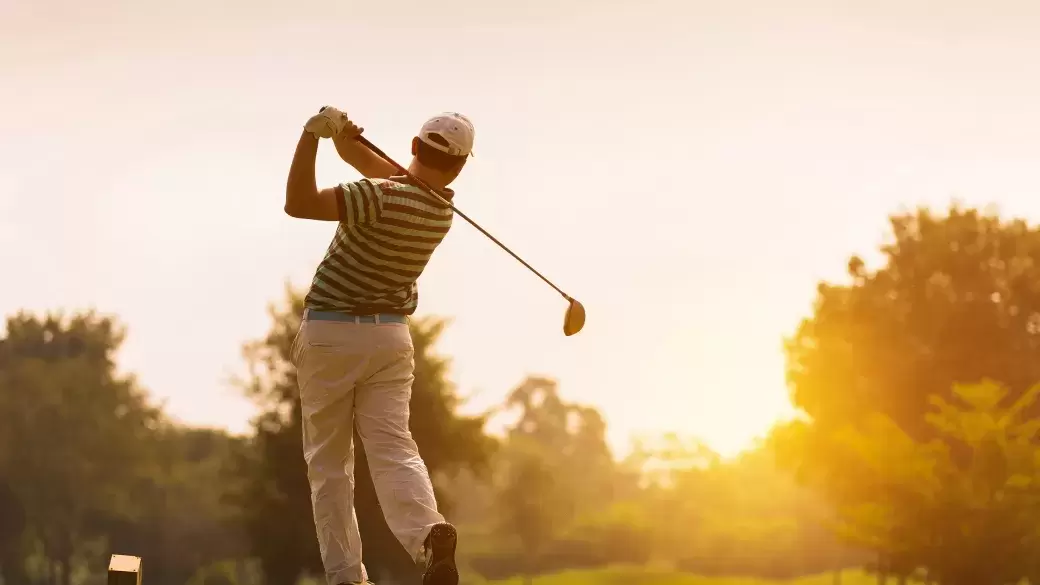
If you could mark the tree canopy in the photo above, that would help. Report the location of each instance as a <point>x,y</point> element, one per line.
<point>957,299</point>
<point>75,435</point>
<point>919,382</point>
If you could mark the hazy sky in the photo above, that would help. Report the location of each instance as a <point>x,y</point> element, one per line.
<point>689,170</point>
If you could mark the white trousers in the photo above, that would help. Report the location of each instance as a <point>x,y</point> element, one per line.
<point>360,375</point>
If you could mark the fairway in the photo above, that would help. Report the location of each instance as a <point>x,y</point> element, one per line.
<point>639,576</point>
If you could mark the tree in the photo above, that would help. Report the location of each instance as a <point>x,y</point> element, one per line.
<point>530,502</point>
<point>554,469</point>
<point>188,518</point>
<point>12,535</point>
<point>277,496</point>
<point>967,520</point>
<point>957,300</point>
<point>745,515</point>
<point>571,436</point>
<point>79,431</point>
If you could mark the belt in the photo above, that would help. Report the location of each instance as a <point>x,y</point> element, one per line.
<point>310,315</point>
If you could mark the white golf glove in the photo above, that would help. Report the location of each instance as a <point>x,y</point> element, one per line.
<point>328,122</point>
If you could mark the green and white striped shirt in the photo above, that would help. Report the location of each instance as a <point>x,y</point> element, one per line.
<point>387,232</point>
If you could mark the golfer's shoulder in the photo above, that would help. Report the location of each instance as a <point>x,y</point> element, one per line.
<point>401,190</point>
<point>390,185</point>
<point>373,188</point>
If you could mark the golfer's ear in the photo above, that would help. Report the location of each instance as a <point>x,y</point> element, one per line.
<point>415,146</point>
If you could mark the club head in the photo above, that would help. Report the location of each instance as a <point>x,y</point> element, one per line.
<point>574,319</point>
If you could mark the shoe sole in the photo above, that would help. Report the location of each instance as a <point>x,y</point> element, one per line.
<point>442,570</point>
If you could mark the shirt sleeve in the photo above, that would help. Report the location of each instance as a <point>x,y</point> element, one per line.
<point>360,202</point>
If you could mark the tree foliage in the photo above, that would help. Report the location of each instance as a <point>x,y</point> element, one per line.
<point>926,460</point>
<point>567,439</point>
<point>554,469</point>
<point>75,435</point>
<point>563,502</point>
<point>956,300</point>
<point>88,465</point>
<point>966,519</point>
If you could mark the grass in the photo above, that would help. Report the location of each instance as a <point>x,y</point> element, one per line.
<point>640,576</point>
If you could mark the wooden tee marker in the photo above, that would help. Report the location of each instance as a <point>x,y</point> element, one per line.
<point>124,570</point>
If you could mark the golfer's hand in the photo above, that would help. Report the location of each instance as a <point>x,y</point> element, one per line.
<point>332,123</point>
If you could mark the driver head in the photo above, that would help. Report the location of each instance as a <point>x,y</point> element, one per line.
<point>574,319</point>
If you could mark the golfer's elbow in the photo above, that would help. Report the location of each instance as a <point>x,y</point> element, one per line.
<point>310,203</point>
<point>291,209</point>
<point>296,200</point>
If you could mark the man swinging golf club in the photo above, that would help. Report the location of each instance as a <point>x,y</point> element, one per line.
<point>353,352</point>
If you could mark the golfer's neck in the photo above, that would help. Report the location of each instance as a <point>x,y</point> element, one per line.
<point>431,178</point>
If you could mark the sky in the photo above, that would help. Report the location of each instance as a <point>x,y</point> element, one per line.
<point>689,170</point>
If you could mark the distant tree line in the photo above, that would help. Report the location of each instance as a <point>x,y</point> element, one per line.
<point>917,455</point>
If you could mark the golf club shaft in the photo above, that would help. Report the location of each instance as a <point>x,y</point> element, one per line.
<point>447,203</point>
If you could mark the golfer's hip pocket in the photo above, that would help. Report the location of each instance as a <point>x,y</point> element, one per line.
<point>399,338</point>
<point>327,333</point>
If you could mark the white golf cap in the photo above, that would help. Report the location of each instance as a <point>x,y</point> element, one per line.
<point>454,128</point>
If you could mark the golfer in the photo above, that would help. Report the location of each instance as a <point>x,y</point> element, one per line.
<point>353,352</point>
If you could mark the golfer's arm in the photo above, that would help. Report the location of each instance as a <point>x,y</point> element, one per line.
<point>368,163</point>
<point>302,197</point>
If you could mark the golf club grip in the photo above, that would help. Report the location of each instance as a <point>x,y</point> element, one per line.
<point>432,191</point>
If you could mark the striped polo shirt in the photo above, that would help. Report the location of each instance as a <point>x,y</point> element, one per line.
<point>387,232</point>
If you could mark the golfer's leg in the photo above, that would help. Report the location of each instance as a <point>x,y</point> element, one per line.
<point>327,380</point>
<point>400,477</point>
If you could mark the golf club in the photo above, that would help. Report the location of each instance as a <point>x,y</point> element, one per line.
<point>573,319</point>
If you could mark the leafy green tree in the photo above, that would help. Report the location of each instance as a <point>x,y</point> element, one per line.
<point>277,497</point>
<point>571,436</point>
<point>554,469</point>
<point>745,515</point>
<point>76,431</point>
<point>964,505</point>
<point>530,501</point>
<point>188,517</point>
<point>957,299</point>
<point>669,468</point>
<point>13,535</point>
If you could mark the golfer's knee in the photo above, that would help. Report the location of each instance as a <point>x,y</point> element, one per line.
<point>329,469</point>
<point>392,450</point>
<point>330,486</point>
